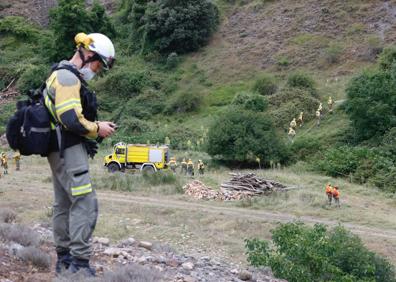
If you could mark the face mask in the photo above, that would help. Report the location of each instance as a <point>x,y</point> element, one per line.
<point>87,73</point>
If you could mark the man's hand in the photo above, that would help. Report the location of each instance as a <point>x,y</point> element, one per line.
<point>106,128</point>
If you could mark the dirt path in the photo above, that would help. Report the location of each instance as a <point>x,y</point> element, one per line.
<point>240,213</point>
<point>235,212</point>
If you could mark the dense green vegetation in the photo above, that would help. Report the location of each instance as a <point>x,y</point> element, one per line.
<point>157,93</point>
<point>301,253</point>
<point>168,26</point>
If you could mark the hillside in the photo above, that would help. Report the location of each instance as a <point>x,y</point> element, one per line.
<point>300,52</point>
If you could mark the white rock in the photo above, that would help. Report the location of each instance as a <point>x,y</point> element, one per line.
<point>188,265</point>
<point>114,252</point>
<point>14,248</point>
<point>146,245</point>
<point>103,241</point>
<point>245,275</point>
<point>131,241</point>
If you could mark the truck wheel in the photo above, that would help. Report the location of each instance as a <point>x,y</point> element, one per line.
<point>113,167</point>
<point>148,169</point>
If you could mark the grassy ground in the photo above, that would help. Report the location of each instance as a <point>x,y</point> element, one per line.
<point>195,230</point>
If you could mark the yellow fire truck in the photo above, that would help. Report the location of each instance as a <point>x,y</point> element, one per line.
<point>147,158</point>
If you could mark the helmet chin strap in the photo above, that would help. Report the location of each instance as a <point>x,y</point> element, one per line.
<point>94,58</point>
<point>80,52</point>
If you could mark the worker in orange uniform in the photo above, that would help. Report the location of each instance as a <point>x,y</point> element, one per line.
<point>336,196</point>
<point>329,193</point>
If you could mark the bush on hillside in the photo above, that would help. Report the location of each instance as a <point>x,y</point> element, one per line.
<point>250,102</point>
<point>169,26</point>
<point>342,161</point>
<point>145,105</point>
<point>305,148</point>
<point>303,253</point>
<point>387,58</point>
<point>289,102</point>
<point>241,136</point>
<point>364,165</point>
<point>18,27</point>
<point>33,77</point>
<point>183,102</point>
<point>123,83</point>
<point>371,103</point>
<point>332,53</point>
<point>303,81</point>
<point>71,17</point>
<point>265,85</point>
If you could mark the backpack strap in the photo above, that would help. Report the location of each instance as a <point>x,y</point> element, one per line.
<point>54,120</point>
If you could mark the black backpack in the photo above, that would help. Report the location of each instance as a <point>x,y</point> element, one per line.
<point>29,129</point>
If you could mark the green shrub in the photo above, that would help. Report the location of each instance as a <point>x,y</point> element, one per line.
<point>375,46</point>
<point>289,102</point>
<point>371,104</point>
<point>33,77</point>
<point>242,136</point>
<point>305,148</point>
<point>250,101</point>
<point>123,82</point>
<point>184,102</point>
<point>332,53</point>
<point>303,253</point>
<point>387,58</point>
<point>145,105</point>
<point>169,26</point>
<point>19,27</point>
<point>5,114</point>
<point>302,80</point>
<point>343,160</point>
<point>283,61</point>
<point>265,85</point>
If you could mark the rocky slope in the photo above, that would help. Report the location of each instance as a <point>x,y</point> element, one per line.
<point>129,259</point>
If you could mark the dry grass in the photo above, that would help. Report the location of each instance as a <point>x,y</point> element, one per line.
<point>35,256</point>
<point>7,215</point>
<point>132,272</point>
<point>19,234</point>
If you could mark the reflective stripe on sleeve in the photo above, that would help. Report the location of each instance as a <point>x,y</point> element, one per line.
<point>67,105</point>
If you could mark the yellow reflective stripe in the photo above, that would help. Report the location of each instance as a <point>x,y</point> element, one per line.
<point>49,105</point>
<point>71,101</point>
<point>80,190</point>
<point>66,108</point>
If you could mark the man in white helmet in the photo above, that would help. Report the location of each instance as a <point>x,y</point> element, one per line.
<point>74,112</point>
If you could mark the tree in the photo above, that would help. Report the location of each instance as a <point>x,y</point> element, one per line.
<point>167,26</point>
<point>71,17</point>
<point>371,103</point>
<point>240,135</point>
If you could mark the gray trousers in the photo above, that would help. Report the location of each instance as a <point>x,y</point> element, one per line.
<point>75,202</point>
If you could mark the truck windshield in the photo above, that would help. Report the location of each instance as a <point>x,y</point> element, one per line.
<point>120,151</point>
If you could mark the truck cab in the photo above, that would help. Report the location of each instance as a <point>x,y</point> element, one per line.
<point>148,158</point>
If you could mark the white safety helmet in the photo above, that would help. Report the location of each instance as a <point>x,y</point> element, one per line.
<point>100,44</point>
